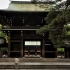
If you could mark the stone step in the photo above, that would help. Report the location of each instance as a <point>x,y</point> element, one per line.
<point>35,60</point>
<point>36,65</point>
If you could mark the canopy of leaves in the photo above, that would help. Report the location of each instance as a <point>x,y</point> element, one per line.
<point>56,26</point>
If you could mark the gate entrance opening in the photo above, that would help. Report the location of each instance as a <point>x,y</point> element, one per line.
<point>32,49</point>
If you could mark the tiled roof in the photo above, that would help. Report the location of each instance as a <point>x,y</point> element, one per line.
<point>28,7</point>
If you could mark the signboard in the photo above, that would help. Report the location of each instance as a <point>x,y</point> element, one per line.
<point>32,42</point>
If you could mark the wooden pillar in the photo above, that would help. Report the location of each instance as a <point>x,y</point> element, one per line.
<point>22,47</point>
<point>0,52</point>
<point>43,47</point>
<point>21,43</point>
<point>9,44</point>
<point>67,52</point>
<point>55,52</point>
<point>64,52</point>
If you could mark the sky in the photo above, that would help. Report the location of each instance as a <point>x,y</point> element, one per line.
<point>5,3</point>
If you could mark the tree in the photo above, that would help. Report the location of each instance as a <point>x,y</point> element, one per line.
<point>44,1</point>
<point>2,34</point>
<point>56,20</point>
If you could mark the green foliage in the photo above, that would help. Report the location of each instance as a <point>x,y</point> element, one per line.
<point>0,26</point>
<point>67,15</point>
<point>60,49</point>
<point>58,0</point>
<point>4,49</point>
<point>52,14</point>
<point>57,27</point>
<point>42,30</point>
<point>68,33</point>
<point>67,26</point>
<point>2,34</point>
<point>33,1</point>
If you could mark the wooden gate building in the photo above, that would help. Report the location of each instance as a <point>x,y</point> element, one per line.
<point>24,20</point>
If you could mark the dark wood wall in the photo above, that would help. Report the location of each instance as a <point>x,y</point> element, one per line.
<point>22,18</point>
